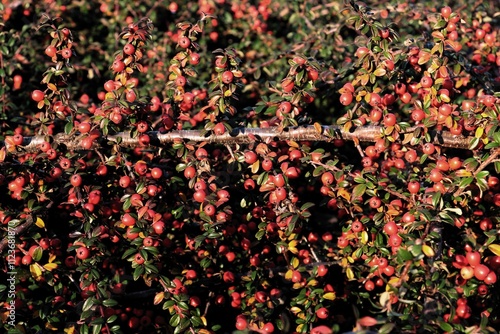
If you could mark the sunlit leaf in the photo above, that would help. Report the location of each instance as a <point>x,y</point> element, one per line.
<point>50,266</point>
<point>359,190</point>
<point>428,251</point>
<point>495,249</point>
<point>36,271</point>
<point>330,295</point>
<point>350,274</point>
<point>159,297</point>
<point>39,222</point>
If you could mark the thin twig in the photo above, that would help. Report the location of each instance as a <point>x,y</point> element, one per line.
<point>397,194</point>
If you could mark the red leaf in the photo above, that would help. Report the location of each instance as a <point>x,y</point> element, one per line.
<point>367,321</point>
<point>321,330</point>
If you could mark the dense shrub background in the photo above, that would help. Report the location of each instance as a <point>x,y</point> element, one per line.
<point>293,238</point>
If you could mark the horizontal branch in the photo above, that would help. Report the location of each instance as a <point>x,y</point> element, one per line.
<point>249,135</point>
<point>16,231</point>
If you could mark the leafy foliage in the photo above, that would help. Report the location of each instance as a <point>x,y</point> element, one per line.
<point>110,227</point>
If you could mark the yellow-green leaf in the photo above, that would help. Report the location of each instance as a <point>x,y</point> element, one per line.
<point>52,258</point>
<point>312,282</point>
<point>394,281</point>
<point>330,296</point>
<point>495,249</point>
<point>318,128</point>
<point>428,251</point>
<point>39,222</point>
<point>50,266</point>
<point>159,297</point>
<point>48,325</point>
<point>36,271</point>
<point>364,237</point>
<point>463,173</point>
<point>70,330</point>
<point>350,274</point>
<point>479,132</point>
<point>380,72</point>
<point>255,166</point>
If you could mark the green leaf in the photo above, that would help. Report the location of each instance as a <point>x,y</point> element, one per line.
<point>128,252</point>
<point>196,321</point>
<point>87,305</point>
<point>109,302</point>
<point>318,171</point>
<point>473,143</point>
<point>404,255</point>
<point>112,319</point>
<point>150,268</point>
<point>96,328</point>
<point>138,272</point>
<point>360,180</point>
<point>492,144</point>
<point>306,206</point>
<point>68,127</point>
<point>446,326</point>
<point>496,136</point>
<point>168,304</point>
<point>482,175</point>
<point>37,254</point>
<point>175,320</point>
<point>359,190</point>
<point>84,329</point>
<point>387,328</point>
<point>205,262</point>
<point>436,200</point>
<point>465,182</point>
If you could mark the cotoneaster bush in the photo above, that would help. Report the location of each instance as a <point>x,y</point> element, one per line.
<point>218,167</point>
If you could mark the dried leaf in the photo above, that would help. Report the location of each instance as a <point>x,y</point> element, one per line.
<point>318,128</point>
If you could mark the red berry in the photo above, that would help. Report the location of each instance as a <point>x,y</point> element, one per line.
<point>51,51</point>
<point>37,95</point>
<point>184,42</point>
<point>66,53</point>
<point>129,49</point>
<point>82,253</point>
<point>346,99</point>
<point>227,77</point>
